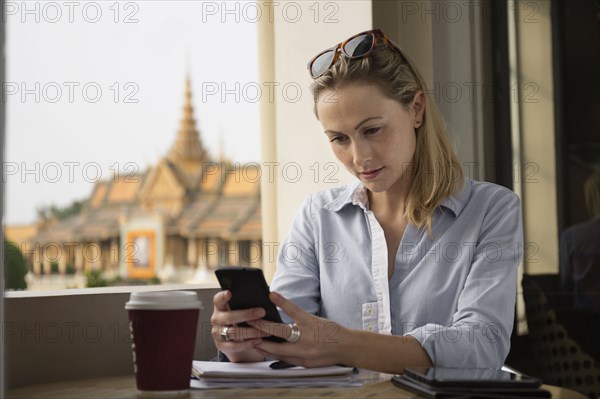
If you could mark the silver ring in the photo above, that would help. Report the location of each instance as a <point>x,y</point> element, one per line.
<point>295,334</point>
<point>223,334</point>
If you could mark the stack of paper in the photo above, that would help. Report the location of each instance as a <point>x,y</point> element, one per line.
<point>247,375</point>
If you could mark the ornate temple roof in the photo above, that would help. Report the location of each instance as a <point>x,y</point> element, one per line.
<point>187,145</point>
<point>216,199</point>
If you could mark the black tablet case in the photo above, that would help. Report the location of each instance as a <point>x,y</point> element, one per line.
<point>457,392</point>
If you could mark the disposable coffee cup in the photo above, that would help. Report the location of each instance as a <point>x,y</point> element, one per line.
<point>163,329</point>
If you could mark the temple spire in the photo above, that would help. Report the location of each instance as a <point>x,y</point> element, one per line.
<point>187,144</point>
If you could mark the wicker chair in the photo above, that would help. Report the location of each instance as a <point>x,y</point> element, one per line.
<point>564,340</point>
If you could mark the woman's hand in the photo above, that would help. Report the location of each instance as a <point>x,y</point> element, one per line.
<point>241,340</point>
<point>320,343</point>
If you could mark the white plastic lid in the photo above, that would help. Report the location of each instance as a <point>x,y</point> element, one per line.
<point>163,300</point>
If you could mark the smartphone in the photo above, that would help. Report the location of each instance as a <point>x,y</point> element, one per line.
<point>249,289</point>
<point>453,377</point>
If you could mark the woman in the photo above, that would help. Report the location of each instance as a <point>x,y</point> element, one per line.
<point>412,265</point>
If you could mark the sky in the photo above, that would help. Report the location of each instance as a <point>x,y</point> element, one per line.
<point>93,88</point>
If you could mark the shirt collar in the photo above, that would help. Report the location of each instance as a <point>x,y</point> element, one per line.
<point>346,197</point>
<point>356,194</point>
<point>456,203</point>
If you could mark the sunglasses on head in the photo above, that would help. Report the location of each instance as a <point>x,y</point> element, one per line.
<point>358,46</point>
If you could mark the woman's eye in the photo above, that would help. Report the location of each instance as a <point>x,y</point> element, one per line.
<point>337,139</point>
<point>372,130</point>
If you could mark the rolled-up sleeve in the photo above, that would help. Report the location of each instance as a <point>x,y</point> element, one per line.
<point>297,274</point>
<point>479,334</point>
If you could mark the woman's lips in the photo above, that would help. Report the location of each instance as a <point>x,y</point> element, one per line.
<point>370,174</point>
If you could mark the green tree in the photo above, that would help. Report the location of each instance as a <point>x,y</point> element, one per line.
<point>94,278</point>
<point>53,212</point>
<point>15,268</point>
<point>70,268</point>
<point>54,267</point>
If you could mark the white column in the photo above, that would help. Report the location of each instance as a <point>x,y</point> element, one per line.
<point>202,261</point>
<point>94,253</point>
<point>79,261</point>
<point>300,143</point>
<point>62,260</point>
<point>213,253</point>
<point>113,257</point>
<point>268,189</point>
<point>192,251</point>
<point>255,253</point>
<point>233,253</point>
<point>37,260</point>
<point>46,263</point>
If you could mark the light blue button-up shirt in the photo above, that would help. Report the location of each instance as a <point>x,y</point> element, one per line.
<point>455,292</point>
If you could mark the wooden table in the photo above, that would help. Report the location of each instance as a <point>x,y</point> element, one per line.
<point>377,386</point>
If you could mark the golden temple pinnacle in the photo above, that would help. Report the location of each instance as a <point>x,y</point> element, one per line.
<point>187,146</point>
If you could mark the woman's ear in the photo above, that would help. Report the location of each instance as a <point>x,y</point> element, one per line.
<point>418,107</point>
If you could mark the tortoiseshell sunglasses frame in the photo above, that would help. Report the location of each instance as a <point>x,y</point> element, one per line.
<point>338,48</point>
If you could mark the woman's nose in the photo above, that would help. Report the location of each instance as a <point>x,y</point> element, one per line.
<point>362,154</point>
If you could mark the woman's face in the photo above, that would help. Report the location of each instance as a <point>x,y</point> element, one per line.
<point>371,134</point>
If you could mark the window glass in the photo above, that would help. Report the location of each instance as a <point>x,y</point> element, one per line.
<point>131,133</point>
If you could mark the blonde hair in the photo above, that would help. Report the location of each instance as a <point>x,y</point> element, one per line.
<point>437,171</point>
<point>591,190</point>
